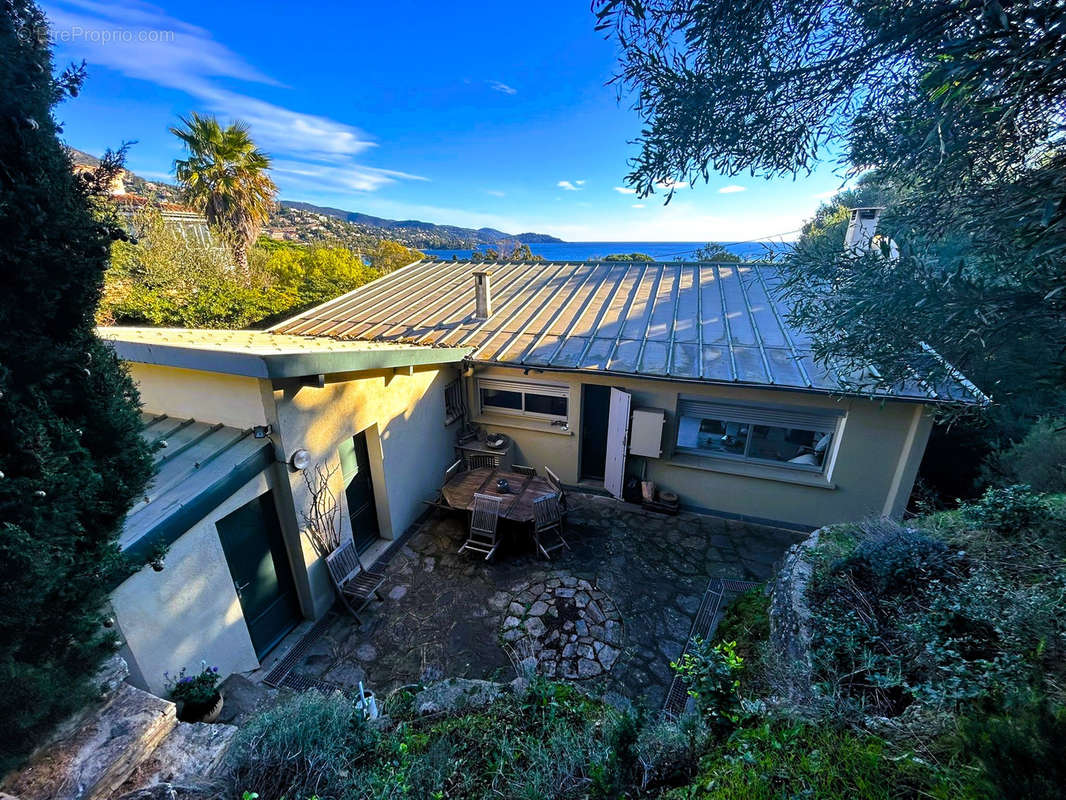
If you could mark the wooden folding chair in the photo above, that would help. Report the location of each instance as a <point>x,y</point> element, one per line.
<point>482,461</point>
<point>548,525</point>
<point>439,502</point>
<point>557,485</point>
<point>521,469</point>
<point>483,522</point>
<point>354,583</point>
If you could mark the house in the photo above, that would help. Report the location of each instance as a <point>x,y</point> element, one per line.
<point>684,374</point>
<point>236,419</point>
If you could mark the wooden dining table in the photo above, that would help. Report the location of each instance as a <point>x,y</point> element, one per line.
<point>516,503</point>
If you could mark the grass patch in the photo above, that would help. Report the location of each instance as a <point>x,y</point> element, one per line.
<point>746,621</point>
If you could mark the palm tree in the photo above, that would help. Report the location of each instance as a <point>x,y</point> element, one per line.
<point>225,178</point>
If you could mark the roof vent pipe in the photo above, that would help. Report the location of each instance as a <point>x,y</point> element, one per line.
<point>862,227</point>
<point>482,294</point>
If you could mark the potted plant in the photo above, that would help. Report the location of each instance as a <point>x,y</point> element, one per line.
<point>197,695</point>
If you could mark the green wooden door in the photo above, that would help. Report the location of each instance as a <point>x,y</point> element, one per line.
<point>255,552</point>
<point>359,491</point>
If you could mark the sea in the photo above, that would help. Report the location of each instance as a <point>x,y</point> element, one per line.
<point>660,251</point>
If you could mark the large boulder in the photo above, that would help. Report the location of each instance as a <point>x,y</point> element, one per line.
<point>455,695</point>
<point>790,624</point>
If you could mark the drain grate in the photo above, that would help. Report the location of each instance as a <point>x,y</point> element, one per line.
<point>301,683</point>
<point>677,697</point>
<point>277,676</point>
<point>737,586</point>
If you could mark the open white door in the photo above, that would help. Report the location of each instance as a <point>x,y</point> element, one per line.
<point>617,435</point>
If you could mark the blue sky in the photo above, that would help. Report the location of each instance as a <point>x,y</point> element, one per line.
<point>467,113</point>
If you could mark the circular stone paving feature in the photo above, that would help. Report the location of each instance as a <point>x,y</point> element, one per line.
<point>574,628</point>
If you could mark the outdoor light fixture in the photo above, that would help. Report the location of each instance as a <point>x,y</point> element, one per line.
<point>262,431</point>
<point>300,460</point>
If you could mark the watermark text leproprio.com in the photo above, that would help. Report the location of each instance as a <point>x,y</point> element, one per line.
<point>77,33</point>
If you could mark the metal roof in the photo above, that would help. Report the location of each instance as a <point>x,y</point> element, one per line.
<point>261,354</point>
<point>198,465</point>
<point>707,322</point>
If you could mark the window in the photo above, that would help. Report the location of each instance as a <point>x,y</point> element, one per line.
<point>538,400</point>
<point>786,437</point>
<point>453,401</point>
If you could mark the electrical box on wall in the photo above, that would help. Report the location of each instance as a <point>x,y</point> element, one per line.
<point>646,432</point>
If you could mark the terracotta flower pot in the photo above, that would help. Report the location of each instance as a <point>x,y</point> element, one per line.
<point>201,712</point>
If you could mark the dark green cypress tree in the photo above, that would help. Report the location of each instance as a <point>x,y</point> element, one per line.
<point>70,451</point>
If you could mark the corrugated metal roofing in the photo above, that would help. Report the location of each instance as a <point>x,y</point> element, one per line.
<point>192,459</point>
<point>709,322</point>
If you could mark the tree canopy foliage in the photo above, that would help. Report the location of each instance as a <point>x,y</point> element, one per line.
<point>168,279</point>
<point>71,455</point>
<point>388,255</point>
<point>225,178</point>
<point>957,105</point>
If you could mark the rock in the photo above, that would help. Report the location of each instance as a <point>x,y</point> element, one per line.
<point>499,601</point>
<point>535,627</point>
<point>790,634</point>
<point>688,603</point>
<point>457,694</point>
<point>538,609</point>
<point>172,791</point>
<point>429,563</point>
<point>189,755</point>
<point>581,628</point>
<point>96,758</point>
<point>112,674</point>
<point>366,652</point>
<point>586,668</point>
<point>397,592</point>
<point>346,673</point>
<point>243,698</point>
<point>511,622</point>
<point>607,656</point>
<point>516,610</point>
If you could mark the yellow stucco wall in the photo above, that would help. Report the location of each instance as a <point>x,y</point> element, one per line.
<point>208,396</point>
<point>190,611</point>
<point>408,442</point>
<point>877,453</point>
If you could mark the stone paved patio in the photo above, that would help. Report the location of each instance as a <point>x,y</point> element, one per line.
<point>611,612</point>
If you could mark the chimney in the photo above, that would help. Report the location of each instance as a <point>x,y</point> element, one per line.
<point>862,228</point>
<point>482,294</point>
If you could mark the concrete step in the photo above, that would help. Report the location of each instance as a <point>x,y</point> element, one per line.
<point>190,755</point>
<point>93,760</point>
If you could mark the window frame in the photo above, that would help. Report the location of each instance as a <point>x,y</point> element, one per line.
<point>755,415</point>
<point>523,388</point>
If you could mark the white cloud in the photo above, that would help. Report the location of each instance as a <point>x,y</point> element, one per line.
<point>570,187</point>
<point>143,42</point>
<point>502,87</point>
<point>624,190</point>
<point>580,183</point>
<point>638,205</point>
<point>732,189</point>
<point>671,184</point>
<point>494,192</point>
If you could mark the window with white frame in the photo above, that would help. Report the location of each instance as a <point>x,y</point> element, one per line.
<point>528,399</point>
<point>790,437</point>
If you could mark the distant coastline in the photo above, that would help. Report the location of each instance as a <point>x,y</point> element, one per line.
<point>660,251</point>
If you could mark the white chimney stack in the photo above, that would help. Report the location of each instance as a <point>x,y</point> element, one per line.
<point>862,227</point>
<point>482,294</point>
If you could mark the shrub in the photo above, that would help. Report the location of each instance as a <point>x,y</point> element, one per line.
<point>1009,511</point>
<point>746,621</point>
<point>667,750</point>
<point>712,676</point>
<point>305,745</point>
<point>1038,460</point>
<point>778,760</point>
<point>894,560</point>
<point>1020,751</point>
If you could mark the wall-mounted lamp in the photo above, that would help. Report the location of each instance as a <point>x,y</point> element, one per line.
<point>300,460</point>
<point>262,431</point>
